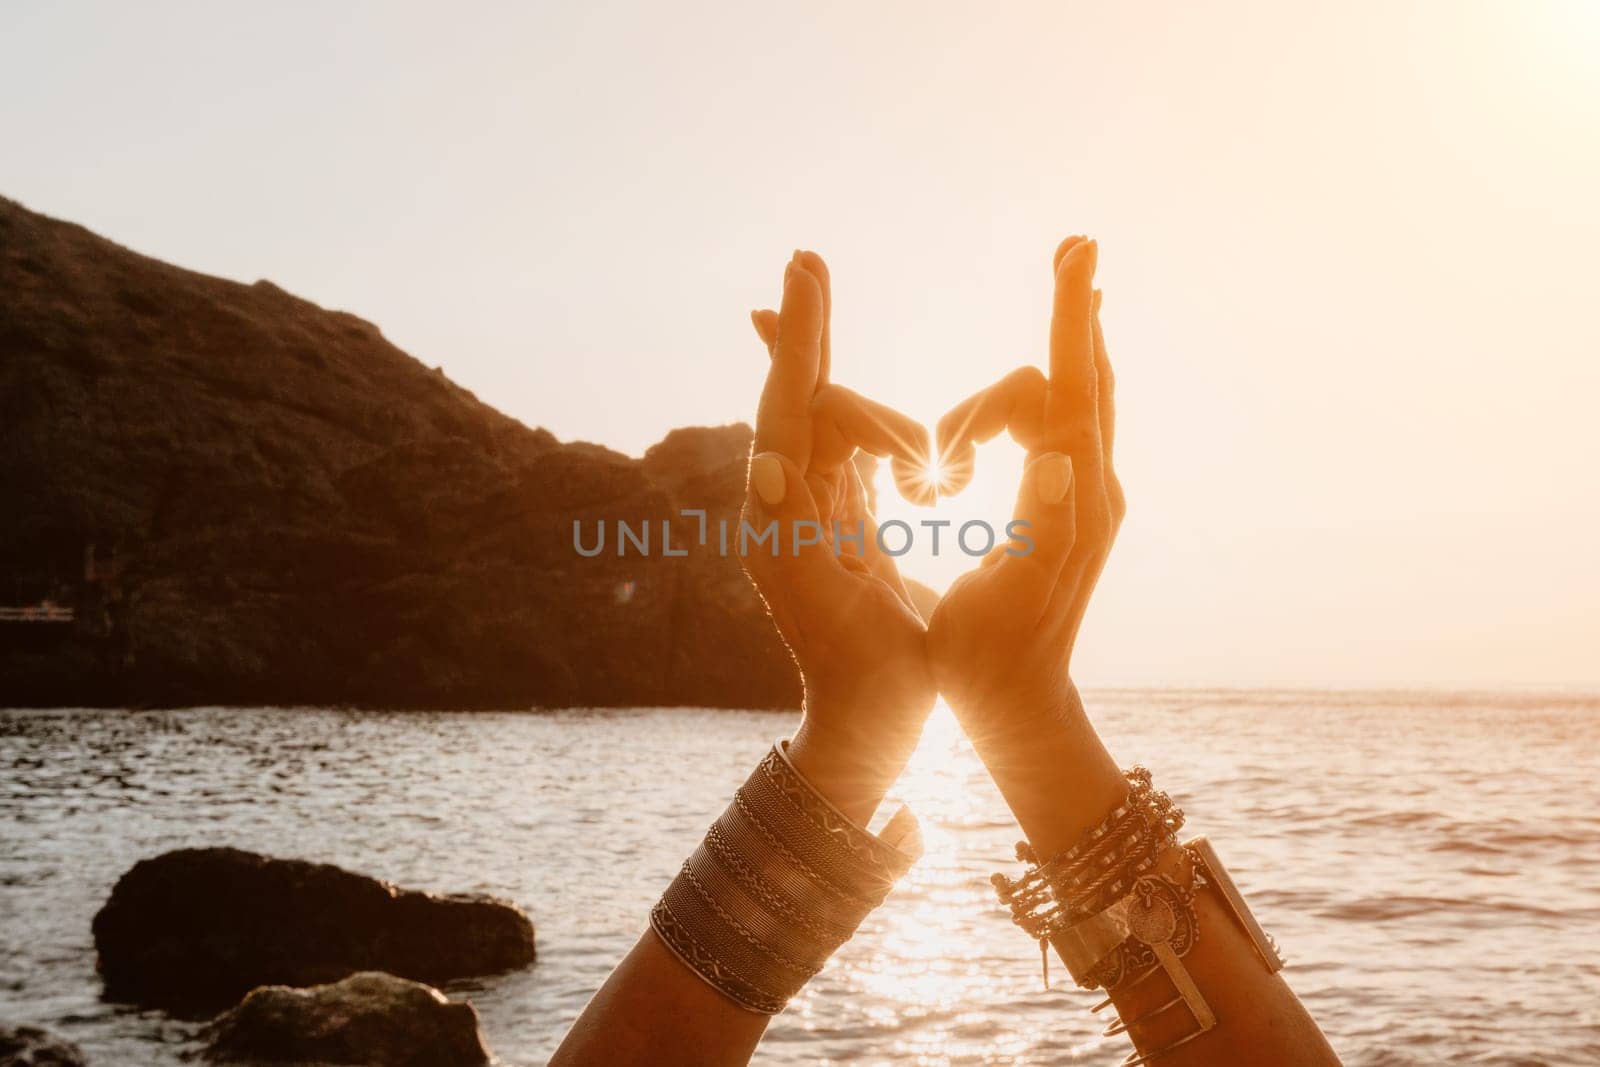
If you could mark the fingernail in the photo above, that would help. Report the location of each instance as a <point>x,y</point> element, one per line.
<point>766,474</point>
<point>1053,477</point>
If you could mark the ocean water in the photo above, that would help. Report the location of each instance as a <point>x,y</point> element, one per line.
<point>1430,862</point>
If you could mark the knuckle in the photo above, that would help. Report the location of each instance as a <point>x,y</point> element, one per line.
<point>1025,380</point>
<point>826,400</point>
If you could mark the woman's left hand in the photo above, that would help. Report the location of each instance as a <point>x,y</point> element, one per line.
<point>1001,639</point>
<point>837,599</point>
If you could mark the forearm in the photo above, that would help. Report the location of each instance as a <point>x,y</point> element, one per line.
<point>1060,781</point>
<point>653,1009</point>
<point>744,917</point>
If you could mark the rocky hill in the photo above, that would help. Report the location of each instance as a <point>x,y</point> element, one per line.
<point>245,498</point>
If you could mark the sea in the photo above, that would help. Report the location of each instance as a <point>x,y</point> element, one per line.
<point>1428,861</point>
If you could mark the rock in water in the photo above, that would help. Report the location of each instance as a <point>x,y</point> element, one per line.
<point>369,1018</point>
<point>192,931</point>
<point>249,499</point>
<point>29,1046</point>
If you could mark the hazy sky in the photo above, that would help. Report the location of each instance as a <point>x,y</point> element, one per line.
<point>1349,257</point>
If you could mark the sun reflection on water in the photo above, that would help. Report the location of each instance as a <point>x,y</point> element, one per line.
<point>941,942</point>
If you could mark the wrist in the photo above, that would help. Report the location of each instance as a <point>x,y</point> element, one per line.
<point>997,688</point>
<point>853,757</point>
<point>1047,760</point>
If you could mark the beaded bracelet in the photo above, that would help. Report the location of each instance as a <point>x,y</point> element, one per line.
<point>780,881</point>
<point>1119,906</point>
<point>1081,881</point>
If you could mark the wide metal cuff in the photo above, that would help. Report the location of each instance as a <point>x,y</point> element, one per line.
<point>780,881</point>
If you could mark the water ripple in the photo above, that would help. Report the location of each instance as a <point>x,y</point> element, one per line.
<point>1385,838</point>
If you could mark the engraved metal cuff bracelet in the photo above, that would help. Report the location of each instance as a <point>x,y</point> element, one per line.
<point>781,880</point>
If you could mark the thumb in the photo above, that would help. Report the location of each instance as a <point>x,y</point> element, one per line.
<point>1045,527</point>
<point>778,501</point>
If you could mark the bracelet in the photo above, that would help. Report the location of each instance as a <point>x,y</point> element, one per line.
<point>1100,869</point>
<point>1119,906</point>
<point>780,881</point>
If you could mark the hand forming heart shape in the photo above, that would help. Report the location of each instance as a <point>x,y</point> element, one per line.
<point>837,596</point>
<point>1042,414</point>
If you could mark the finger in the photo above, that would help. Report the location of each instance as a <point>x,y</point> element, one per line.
<point>1071,342</point>
<point>850,515</point>
<point>1072,407</point>
<point>783,420</point>
<point>879,562</point>
<point>1105,381</point>
<point>1045,525</point>
<point>776,496</point>
<point>1016,403</point>
<point>766,324</point>
<point>1061,251</point>
<point>825,490</point>
<point>844,421</point>
<point>819,270</point>
<point>1105,396</point>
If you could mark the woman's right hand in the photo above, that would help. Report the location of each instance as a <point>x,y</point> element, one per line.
<point>837,599</point>
<point>1001,639</point>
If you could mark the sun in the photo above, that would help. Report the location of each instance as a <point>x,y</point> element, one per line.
<point>918,484</point>
<point>935,479</point>
<point>951,472</point>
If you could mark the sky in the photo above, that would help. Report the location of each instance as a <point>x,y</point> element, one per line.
<point>1348,255</point>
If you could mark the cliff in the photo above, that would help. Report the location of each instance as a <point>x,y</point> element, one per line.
<point>245,498</point>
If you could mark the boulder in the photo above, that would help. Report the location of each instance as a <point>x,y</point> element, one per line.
<point>249,499</point>
<point>369,1018</point>
<point>192,931</point>
<point>29,1046</point>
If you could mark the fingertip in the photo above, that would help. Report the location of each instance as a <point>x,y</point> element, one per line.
<point>1063,248</point>
<point>802,310</point>
<point>765,320</point>
<point>1075,279</point>
<point>914,483</point>
<point>956,466</point>
<point>1074,256</point>
<point>796,274</point>
<point>812,262</point>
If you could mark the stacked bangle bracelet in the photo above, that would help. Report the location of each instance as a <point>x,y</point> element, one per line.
<point>1119,906</point>
<point>780,881</point>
